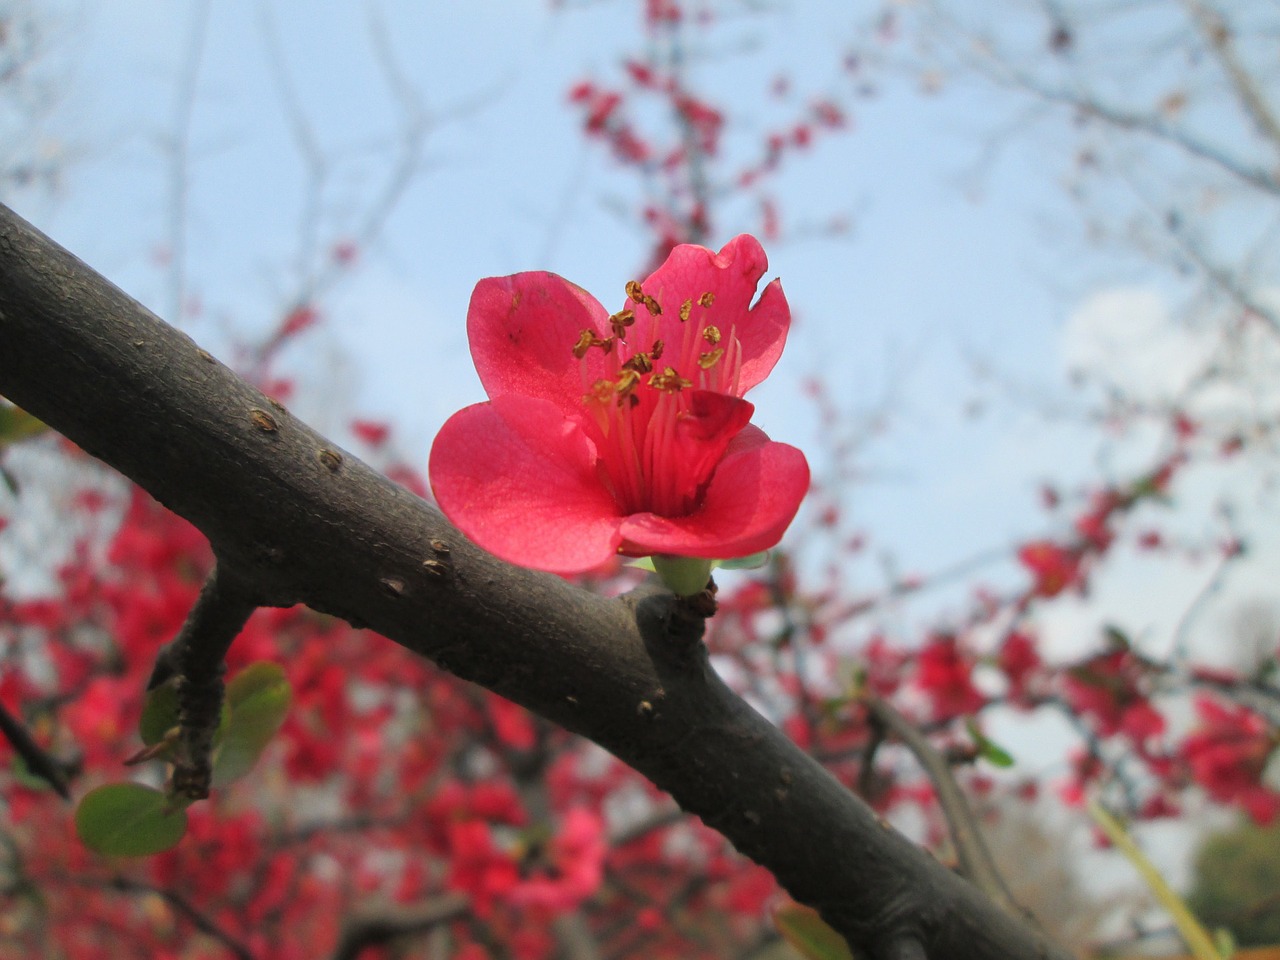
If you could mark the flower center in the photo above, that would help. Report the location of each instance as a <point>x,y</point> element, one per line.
<point>655,416</point>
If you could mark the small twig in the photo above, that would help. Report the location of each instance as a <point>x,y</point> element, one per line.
<point>181,905</point>
<point>38,761</point>
<point>1218,34</point>
<point>373,928</point>
<point>195,658</point>
<point>975,859</point>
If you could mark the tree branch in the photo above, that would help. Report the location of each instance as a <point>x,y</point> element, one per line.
<point>304,522</point>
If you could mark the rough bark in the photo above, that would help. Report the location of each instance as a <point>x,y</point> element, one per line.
<point>303,521</point>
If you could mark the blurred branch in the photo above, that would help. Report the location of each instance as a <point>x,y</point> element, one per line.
<point>179,148</point>
<point>1221,41</point>
<point>371,928</point>
<point>184,908</point>
<point>305,524</point>
<point>38,761</point>
<point>976,862</point>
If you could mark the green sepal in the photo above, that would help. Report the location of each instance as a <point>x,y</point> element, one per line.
<point>685,576</point>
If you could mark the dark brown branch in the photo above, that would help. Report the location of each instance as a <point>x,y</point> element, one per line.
<point>196,658</point>
<point>305,522</point>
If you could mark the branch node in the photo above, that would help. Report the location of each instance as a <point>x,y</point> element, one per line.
<point>196,658</point>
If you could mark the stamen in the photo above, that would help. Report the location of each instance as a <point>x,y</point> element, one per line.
<point>658,347</point>
<point>601,391</point>
<point>588,339</point>
<point>620,321</point>
<point>709,359</point>
<point>640,363</point>
<point>707,299</point>
<point>626,384</point>
<point>638,295</point>
<point>711,334</point>
<point>685,309</point>
<point>669,380</point>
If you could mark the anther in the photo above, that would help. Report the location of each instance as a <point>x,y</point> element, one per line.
<point>620,321</point>
<point>707,299</point>
<point>709,359</point>
<point>668,379</point>
<point>640,363</point>
<point>627,382</point>
<point>711,334</point>
<point>686,308</point>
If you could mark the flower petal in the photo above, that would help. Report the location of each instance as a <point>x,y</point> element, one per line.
<point>522,330</point>
<point>749,503</point>
<point>519,478</point>
<point>731,276</point>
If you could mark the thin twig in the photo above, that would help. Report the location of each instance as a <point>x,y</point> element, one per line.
<point>196,659</point>
<point>1218,35</point>
<point>37,759</point>
<point>371,928</point>
<point>976,862</point>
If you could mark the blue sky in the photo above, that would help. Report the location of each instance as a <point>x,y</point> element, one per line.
<point>928,278</point>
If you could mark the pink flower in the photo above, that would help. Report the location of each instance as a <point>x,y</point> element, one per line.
<point>625,433</point>
<point>1055,568</point>
<point>1228,754</point>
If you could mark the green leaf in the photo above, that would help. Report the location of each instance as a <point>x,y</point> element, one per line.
<point>801,927</point>
<point>257,702</point>
<point>16,424</point>
<point>128,820</point>
<point>993,753</point>
<point>159,712</point>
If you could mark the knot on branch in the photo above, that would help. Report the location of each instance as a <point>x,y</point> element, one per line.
<point>672,626</point>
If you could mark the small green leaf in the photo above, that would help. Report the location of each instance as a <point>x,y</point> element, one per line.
<point>643,563</point>
<point>16,424</point>
<point>801,927</point>
<point>159,712</point>
<point>993,753</point>
<point>128,820</point>
<point>257,702</point>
